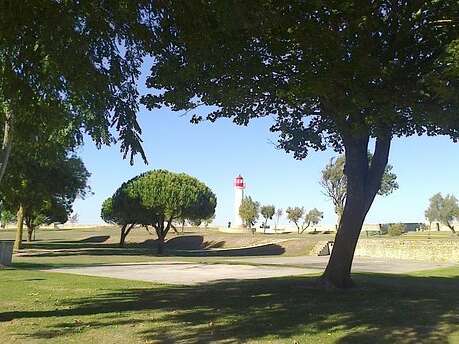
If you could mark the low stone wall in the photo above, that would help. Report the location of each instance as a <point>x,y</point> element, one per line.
<point>425,250</point>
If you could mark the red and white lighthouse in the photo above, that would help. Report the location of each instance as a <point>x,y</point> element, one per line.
<point>239,187</point>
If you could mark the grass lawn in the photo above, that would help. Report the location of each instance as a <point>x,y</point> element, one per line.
<point>38,306</point>
<point>45,307</point>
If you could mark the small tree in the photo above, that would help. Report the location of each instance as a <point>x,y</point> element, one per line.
<point>334,183</point>
<point>249,212</point>
<point>157,198</point>
<point>6,217</point>
<point>302,219</point>
<point>51,211</point>
<point>39,189</point>
<point>295,215</point>
<point>279,213</point>
<point>443,209</point>
<point>313,217</point>
<point>267,211</point>
<point>73,218</point>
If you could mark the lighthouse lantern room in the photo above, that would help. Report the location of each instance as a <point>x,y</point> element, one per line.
<point>239,186</point>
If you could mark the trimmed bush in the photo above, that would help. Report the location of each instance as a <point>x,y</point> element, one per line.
<point>396,229</point>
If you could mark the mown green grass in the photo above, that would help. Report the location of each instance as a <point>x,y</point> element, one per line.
<point>45,307</point>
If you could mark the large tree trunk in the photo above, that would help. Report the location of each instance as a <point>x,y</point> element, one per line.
<point>19,228</point>
<point>7,143</point>
<point>363,183</point>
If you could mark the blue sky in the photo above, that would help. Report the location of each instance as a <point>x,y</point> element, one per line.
<point>217,152</point>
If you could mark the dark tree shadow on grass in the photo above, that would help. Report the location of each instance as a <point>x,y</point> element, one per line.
<point>180,246</point>
<point>384,309</point>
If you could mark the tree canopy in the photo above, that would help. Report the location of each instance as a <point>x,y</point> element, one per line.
<point>312,217</point>
<point>337,74</point>
<point>443,209</point>
<point>324,71</point>
<point>157,198</point>
<point>295,215</point>
<point>267,211</point>
<point>72,66</point>
<point>249,211</point>
<point>303,219</point>
<point>43,186</point>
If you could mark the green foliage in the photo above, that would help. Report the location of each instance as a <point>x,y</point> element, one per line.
<point>157,198</point>
<point>443,209</point>
<point>45,187</point>
<point>107,214</point>
<point>334,182</point>
<point>6,217</point>
<point>267,211</point>
<point>195,222</point>
<point>396,229</point>
<point>303,219</point>
<point>249,211</point>
<point>207,221</point>
<point>73,66</point>
<point>295,214</point>
<point>50,212</point>
<point>313,217</point>
<point>274,58</point>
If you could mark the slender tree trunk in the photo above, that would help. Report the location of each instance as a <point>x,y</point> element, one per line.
<point>339,215</point>
<point>125,230</point>
<point>29,234</point>
<point>7,143</point>
<point>162,231</point>
<point>363,183</point>
<point>19,228</point>
<point>451,227</point>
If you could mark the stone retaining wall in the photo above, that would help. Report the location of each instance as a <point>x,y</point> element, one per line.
<point>424,250</point>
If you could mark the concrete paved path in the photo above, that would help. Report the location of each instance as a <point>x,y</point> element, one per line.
<point>360,264</point>
<point>191,273</point>
<point>185,273</point>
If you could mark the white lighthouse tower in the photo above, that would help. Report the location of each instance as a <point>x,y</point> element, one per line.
<point>239,187</point>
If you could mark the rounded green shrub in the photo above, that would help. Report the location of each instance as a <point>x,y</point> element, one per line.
<point>396,229</point>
